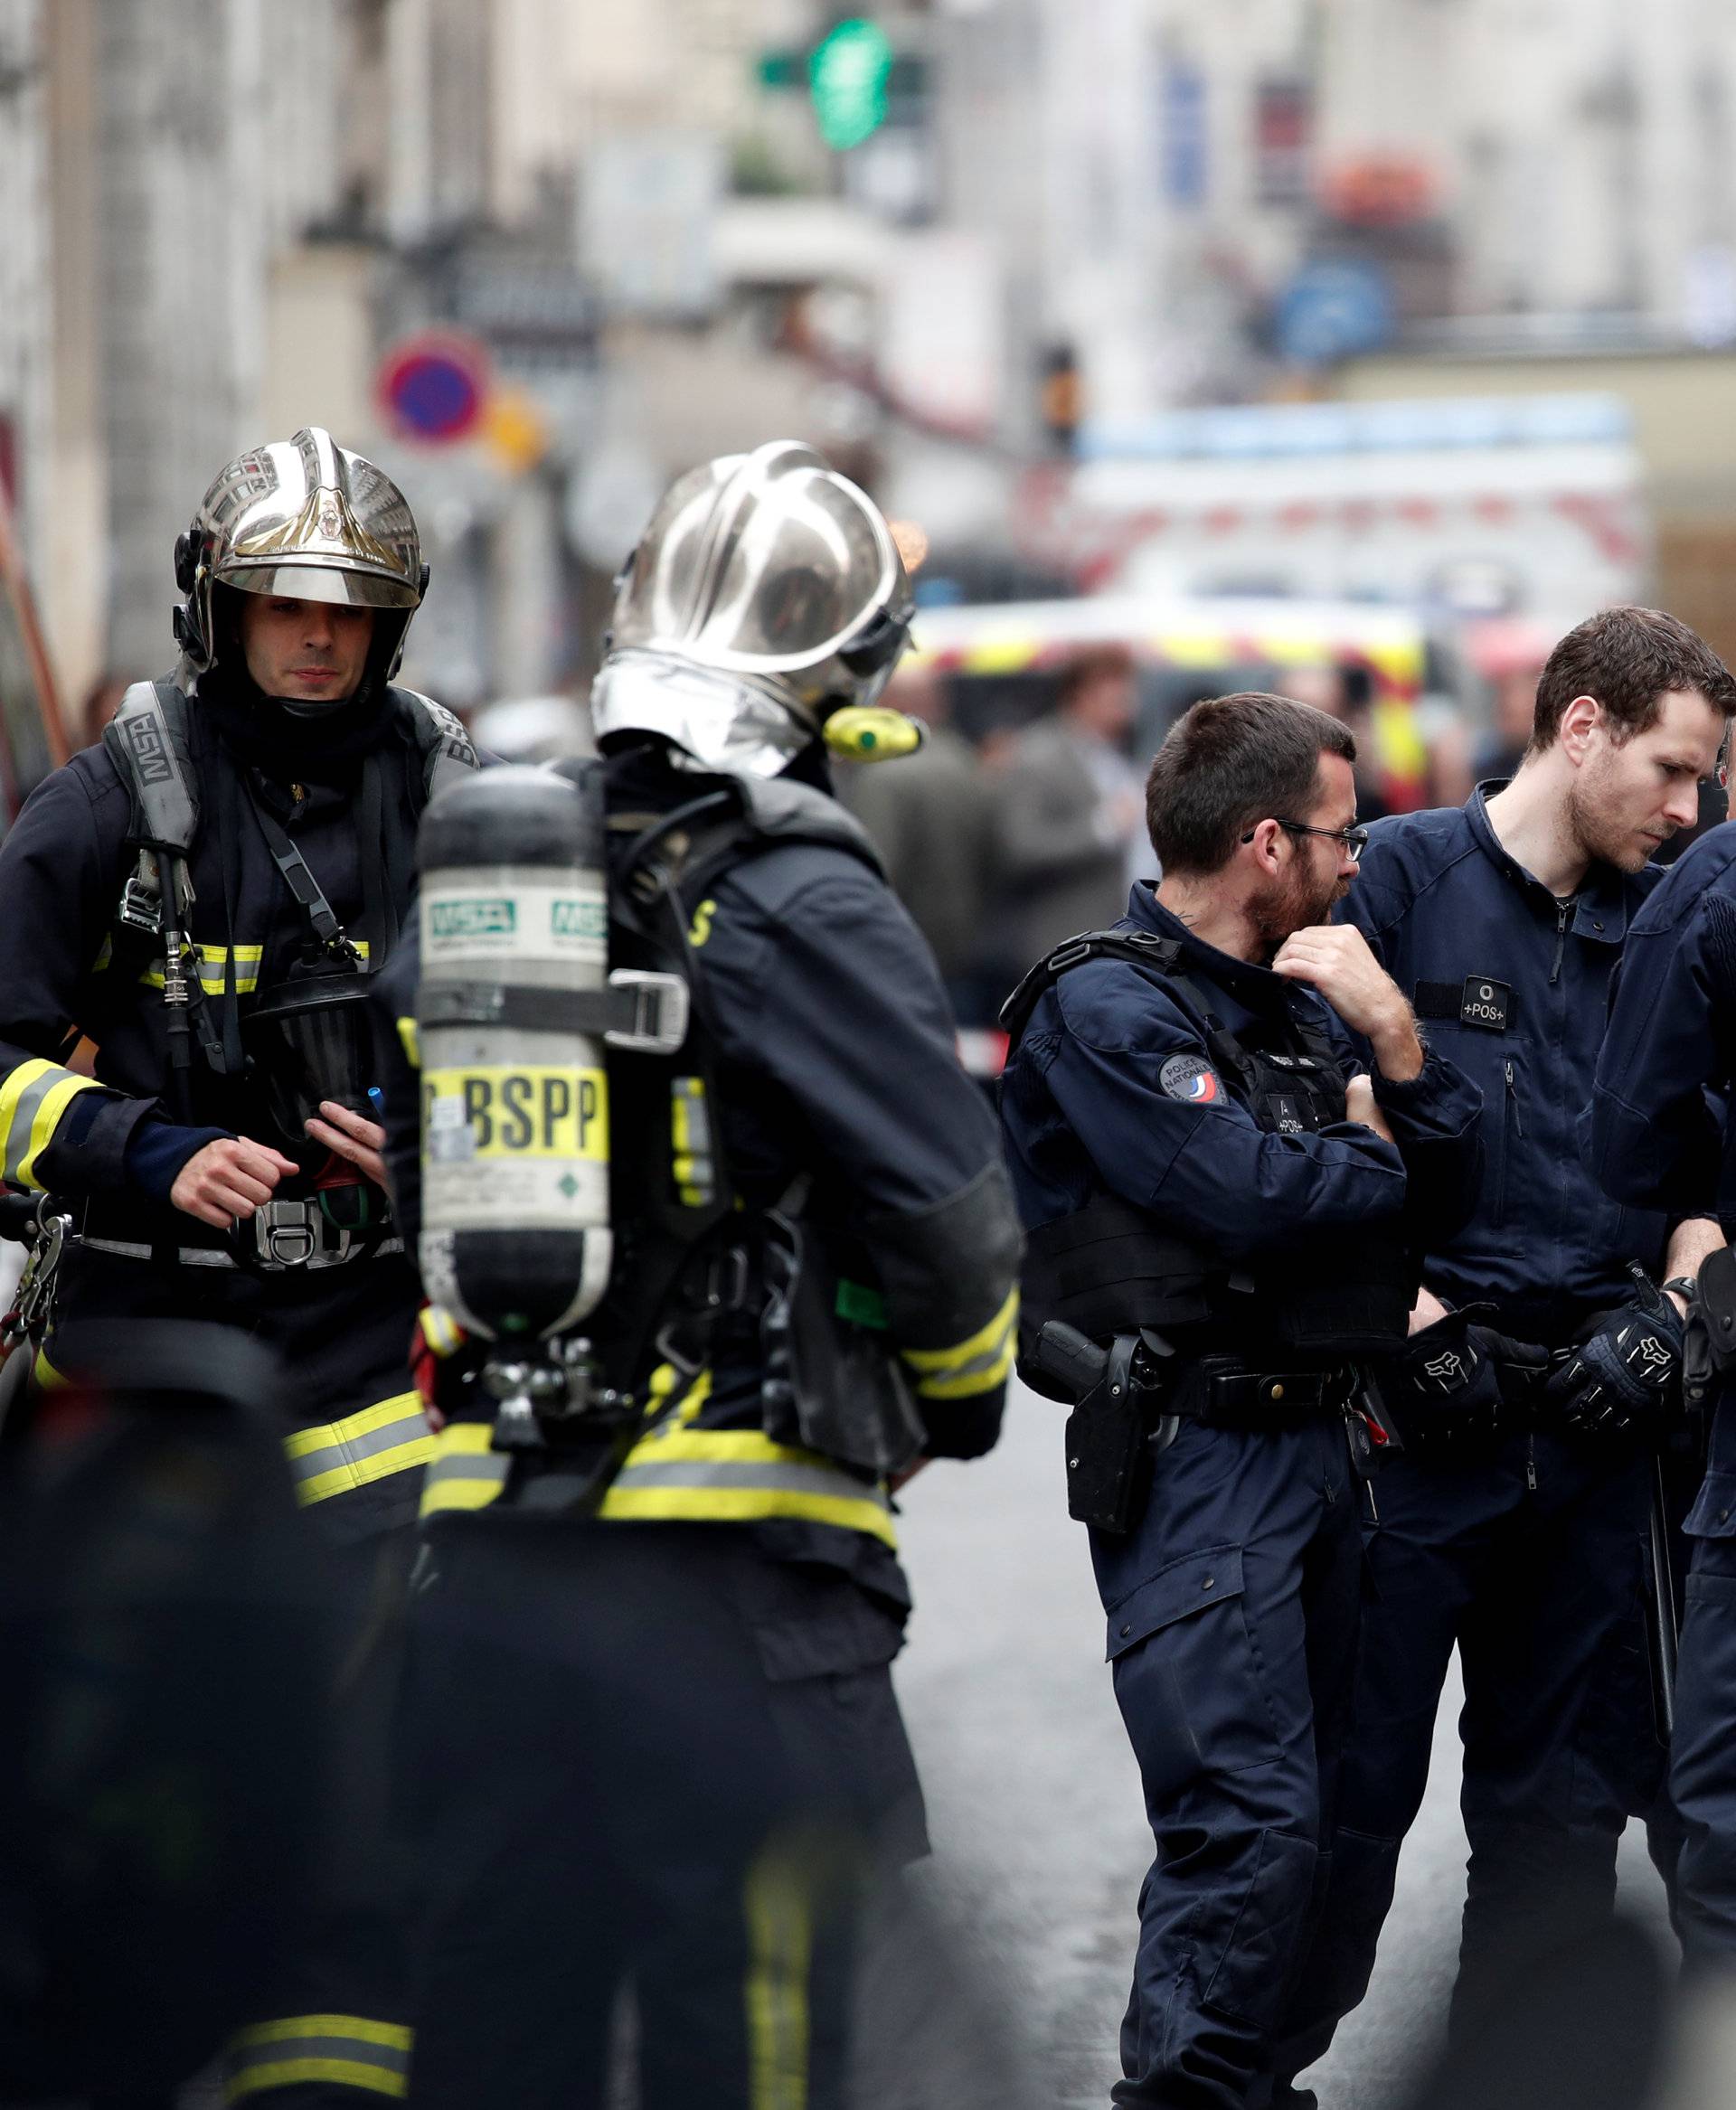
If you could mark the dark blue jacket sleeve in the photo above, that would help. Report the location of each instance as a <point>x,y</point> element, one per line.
<point>58,890</point>
<point>1656,1137</point>
<point>818,981</point>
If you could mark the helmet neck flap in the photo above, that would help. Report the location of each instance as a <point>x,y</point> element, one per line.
<point>728,723</point>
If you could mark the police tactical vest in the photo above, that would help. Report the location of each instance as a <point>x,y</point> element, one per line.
<point>1112,1267</point>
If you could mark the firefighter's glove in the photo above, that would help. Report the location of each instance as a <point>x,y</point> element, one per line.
<point>1445,1386</point>
<point>1624,1374</point>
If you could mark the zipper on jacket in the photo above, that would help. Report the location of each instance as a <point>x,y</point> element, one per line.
<point>1563,909</point>
<point>1531,1463</point>
<point>1513,1100</point>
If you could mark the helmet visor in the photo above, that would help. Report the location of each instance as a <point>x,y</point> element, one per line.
<point>322,583</point>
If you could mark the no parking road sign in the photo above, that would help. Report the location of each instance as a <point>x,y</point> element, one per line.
<point>434,386</point>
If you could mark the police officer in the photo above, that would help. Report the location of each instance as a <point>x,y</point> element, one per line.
<point>1548,1331</point>
<point>201,897</point>
<point>653,1727</point>
<point>1206,1186</point>
<point>1662,1141</point>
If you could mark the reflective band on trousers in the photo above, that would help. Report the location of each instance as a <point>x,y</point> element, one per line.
<point>679,1475</point>
<point>338,1455</point>
<point>779,1910</point>
<point>32,1101</point>
<point>977,1365</point>
<point>345,2052</point>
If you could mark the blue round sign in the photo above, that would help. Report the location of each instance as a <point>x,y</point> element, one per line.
<point>1334,310</point>
<point>434,386</point>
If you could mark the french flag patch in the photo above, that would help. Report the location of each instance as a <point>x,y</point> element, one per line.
<point>1190,1078</point>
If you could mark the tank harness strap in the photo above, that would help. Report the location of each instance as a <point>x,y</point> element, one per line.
<point>298,877</point>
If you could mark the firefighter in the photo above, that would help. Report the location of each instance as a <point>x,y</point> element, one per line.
<point>653,1731</point>
<point>205,897</point>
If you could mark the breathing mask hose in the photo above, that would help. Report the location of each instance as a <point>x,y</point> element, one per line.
<point>511,1012</point>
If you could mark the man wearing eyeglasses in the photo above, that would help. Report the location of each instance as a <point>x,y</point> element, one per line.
<point>1545,1346</point>
<point>1226,1220</point>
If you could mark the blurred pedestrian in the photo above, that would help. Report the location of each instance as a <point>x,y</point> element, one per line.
<point>1345,693</point>
<point>1072,808</point>
<point>932,822</point>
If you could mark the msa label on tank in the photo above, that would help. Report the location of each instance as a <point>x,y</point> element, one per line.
<point>496,916</point>
<point>514,1145</point>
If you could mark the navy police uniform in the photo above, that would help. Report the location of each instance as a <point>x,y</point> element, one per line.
<point>1176,1126</point>
<point>109,1146</point>
<point>1662,1140</point>
<point>655,1736</point>
<point>1523,1547</point>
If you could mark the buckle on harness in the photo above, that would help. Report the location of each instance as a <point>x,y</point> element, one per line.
<point>288,1234</point>
<point>141,907</point>
<point>656,1007</point>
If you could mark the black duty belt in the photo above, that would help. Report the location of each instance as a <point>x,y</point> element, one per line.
<point>1224,1393</point>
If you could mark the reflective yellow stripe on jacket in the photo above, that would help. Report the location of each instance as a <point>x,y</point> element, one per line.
<point>213,966</point>
<point>680,1474</point>
<point>977,1365</point>
<point>33,1099</point>
<point>338,1455</point>
<point>348,2051</point>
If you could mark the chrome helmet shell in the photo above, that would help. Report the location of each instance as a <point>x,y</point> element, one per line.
<point>766,593</point>
<point>305,518</point>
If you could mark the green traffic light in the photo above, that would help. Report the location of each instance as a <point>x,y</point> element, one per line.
<point>848,75</point>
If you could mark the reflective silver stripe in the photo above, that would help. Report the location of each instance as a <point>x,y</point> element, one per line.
<point>371,2056</point>
<point>215,1255</point>
<point>462,1479</point>
<point>349,1450</point>
<point>23,1118</point>
<point>784,1479</point>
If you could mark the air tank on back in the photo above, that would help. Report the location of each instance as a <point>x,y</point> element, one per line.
<point>515,1238</point>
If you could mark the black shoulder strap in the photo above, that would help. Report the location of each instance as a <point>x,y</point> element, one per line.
<point>1139,948</point>
<point>146,741</point>
<point>441,741</point>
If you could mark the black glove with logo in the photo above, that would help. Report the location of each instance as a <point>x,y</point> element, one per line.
<point>1624,1373</point>
<point>1452,1385</point>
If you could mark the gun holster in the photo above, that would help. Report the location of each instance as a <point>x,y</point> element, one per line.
<point>1708,1342</point>
<point>1108,1460</point>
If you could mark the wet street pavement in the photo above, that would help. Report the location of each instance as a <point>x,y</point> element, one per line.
<point>1034,1807</point>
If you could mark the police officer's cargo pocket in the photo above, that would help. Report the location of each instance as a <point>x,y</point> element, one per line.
<point>1713,1514</point>
<point>1252,1975</point>
<point>1188,1678</point>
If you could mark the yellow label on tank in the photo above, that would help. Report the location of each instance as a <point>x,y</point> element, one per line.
<point>516,1111</point>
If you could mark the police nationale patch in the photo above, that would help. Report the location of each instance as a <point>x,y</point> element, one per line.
<point>1190,1078</point>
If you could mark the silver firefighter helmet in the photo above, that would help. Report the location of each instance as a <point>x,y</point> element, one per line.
<point>765,594</point>
<point>305,518</point>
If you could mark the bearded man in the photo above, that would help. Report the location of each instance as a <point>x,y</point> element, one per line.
<point>1229,1204</point>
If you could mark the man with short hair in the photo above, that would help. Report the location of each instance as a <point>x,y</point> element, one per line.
<point>1545,1346</point>
<point>204,895</point>
<point>1211,1196</point>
